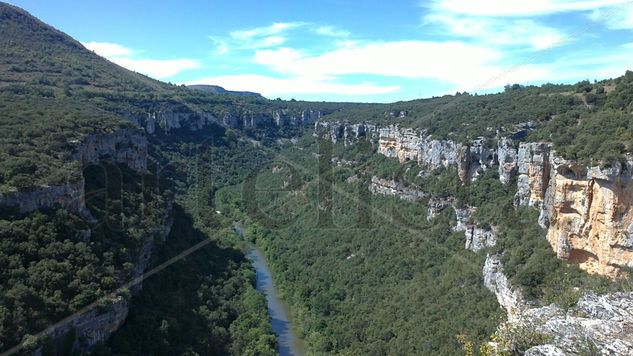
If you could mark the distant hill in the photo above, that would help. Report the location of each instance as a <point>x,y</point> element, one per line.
<point>216,89</point>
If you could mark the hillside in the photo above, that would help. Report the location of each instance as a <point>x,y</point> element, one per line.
<point>215,89</point>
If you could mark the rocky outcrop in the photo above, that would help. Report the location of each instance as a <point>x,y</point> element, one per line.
<point>180,117</point>
<point>544,350</point>
<point>477,238</point>
<point>534,170</point>
<point>586,210</point>
<point>286,117</point>
<point>92,326</point>
<point>68,196</point>
<point>496,281</point>
<point>507,158</point>
<point>346,133</point>
<point>393,188</point>
<point>436,205</point>
<point>602,323</point>
<point>413,145</point>
<point>126,146</point>
<point>406,145</point>
<point>589,216</point>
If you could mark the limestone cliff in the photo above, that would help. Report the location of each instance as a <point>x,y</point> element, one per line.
<point>125,146</point>
<point>69,195</point>
<point>178,117</point>
<point>346,133</point>
<point>589,216</point>
<point>602,323</point>
<point>496,281</point>
<point>586,210</point>
<point>407,144</point>
<point>534,170</point>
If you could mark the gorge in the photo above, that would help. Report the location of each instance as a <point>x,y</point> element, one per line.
<point>497,223</point>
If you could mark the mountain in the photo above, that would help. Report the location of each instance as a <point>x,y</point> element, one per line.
<point>215,89</point>
<point>402,228</point>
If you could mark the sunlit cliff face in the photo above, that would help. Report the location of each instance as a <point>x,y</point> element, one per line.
<point>591,223</point>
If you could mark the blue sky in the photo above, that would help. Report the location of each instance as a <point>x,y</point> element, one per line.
<point>343,50</point>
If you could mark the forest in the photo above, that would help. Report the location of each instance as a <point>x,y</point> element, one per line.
<point>370,274</point>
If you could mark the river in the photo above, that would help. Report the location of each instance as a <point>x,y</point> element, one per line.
<point>287,341</point>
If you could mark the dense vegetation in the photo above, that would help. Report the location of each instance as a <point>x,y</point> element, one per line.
<point>204,304</point>
<point>363,274</point>
<point>600,135</point>
<point>370,274</point>
<point>54,263</point>
<point>528,258</point>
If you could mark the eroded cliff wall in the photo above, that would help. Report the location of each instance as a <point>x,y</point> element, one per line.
<point>586,211</point>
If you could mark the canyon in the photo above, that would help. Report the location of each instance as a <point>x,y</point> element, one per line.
<point>585,213</point>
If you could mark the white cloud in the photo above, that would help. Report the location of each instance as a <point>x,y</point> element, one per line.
<point>500,32</point>
<point>331,31</point>
<point>270,86</point>
<point>156,68</point>
<point>267,42</point>
<point>107,49</point>
<point>519,8</point>
<point>454,62</point>
<point>615,18</point>
<point>274,29</point>
<point>254,38</point>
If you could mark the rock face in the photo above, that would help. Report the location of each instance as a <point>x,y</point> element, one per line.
<point>507,157</point>
<point>393,188</point>
<point>344,132</point>
<point>93,326</point>
<point>496,281</point>
<point>126,146</point>
<point>604,322</point>
<point>586,210</point>
<point>437,205</point>
<point>589,216</point>
<point>68,196</point>
<point>477,238</point>
<point>534,171</point>
<point>286,117</point>
<point>180,117</point>
<point>414,145</point>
